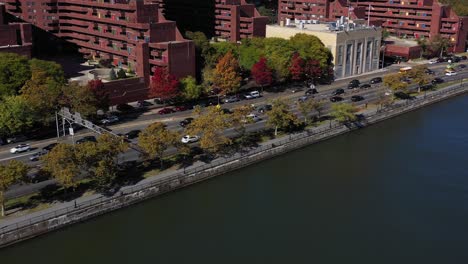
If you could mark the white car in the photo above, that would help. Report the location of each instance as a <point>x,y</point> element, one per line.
<point>189,139</point>
<point>20,148</point>
<point>251,117</point>
<point>433,61</point>
<point>450,73</point>
<point>252,95</point>
<point>109,120</point>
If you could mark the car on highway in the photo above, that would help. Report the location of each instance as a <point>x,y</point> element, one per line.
<point>231,99</point>
<point>433,61</point>
<point>165,111</point>
<point>311,91</point>
<point>336,99</point>
<point>440,60</point>
<point>376,80</point>
<point>429,71</point>
<point>144,104</point>
<point>264,108</point>
<point>180,108</point>
<point>252,95</point>
<point>356,98</point>
<point>463,57</point>
<point>402,95</point>
<point>338,92</point>
<point>437,80</point>
<point>365,86</point>
<point>189,139</point>
<point>110,120</point>
<point>427,87</point>
<point>86,139</point>
<point>20,148</point>
<point>132,134</point>
<point>49,147</point>
<point>304,98</point>
<point>461,66</point>
<point>353,84</point>
<point>251,118</point>
<point>36,156</point>
<point>450,73</point>
<point>187,121</point>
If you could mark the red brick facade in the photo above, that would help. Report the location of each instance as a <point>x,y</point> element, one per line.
<point>236,20</point>
<point>15,37</point>
<point>130,33</point>
<point>404,18</point>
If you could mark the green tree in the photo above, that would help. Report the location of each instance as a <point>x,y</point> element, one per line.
<point>271,14</point>
<point>80,99</point>
<point>394,82</point>
<point>108,149</point>
<point>62,164</point>
<point>280,116</point>
<point>190,89</point>
<point>249,54</point>
<point>318,106</point>
<point>343,112</point>
<point>311,47</point>
<point>10,173</point>
<point>14,72</point>
<point>155,139</point>
<point>439,44</point>
<point>278,53</point>
<point>226,74</point>
<point>419,76</point>
<point>305,107</point>
<point>210,127</point>
<point>15,115</point>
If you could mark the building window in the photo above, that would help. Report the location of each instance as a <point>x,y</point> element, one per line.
<point>340,56</point>
<point>349,57</point>
<point>368,55</point>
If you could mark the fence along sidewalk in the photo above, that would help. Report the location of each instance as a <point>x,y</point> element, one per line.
<point>183,178</point>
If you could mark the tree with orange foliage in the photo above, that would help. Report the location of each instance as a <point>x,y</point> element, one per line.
<point>226,74</point>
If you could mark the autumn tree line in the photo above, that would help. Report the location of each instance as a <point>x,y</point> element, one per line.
<point>224,66</point>
<point>31,91</point>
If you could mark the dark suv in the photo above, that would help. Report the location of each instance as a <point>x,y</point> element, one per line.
<point>402,95</point>
<point>338,92</point>
<point>353,84</point>
<point>376,80</point>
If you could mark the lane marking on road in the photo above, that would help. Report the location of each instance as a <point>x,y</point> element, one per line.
<point>18,156</point>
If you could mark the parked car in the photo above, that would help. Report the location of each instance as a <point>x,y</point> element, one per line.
<point>439,60</point>
<point>402,95</point>
<point>455,59</point>
<point>353,84</point>
<point>311,91</point>
<point>450,73</point>
<point>16,139</point>
<point>356,98</point>
<point>265,108</point>
<point>110,120</point>
<point>365,86</point>
<point>189,139</point>
<point>437,80</point>
<point>49,147</point>
<point>252,95</point>
<point>165,111</point>
<point>20,148</point>
<point>36,156</point>
<point>86,139</point>
<point>338,92</point>
<point>132,134</point>
<point>336,99</point>
<point>231,99</point>
<point>125,108</point>
<point>297,88</point>
<point>187,121</point>
<point>180,108</point>
<point>433,61</point>
<point>376,80</point>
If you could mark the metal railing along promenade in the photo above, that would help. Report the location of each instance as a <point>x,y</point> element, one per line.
<point>188,176</point>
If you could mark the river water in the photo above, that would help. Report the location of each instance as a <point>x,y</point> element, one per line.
<point>396,192</point>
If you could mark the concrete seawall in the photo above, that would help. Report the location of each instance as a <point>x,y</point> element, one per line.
<point>83,211</point>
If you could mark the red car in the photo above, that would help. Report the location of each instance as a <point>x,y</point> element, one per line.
<point>180,108</point>
<point>165,111</point>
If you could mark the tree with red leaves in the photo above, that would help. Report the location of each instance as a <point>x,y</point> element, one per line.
<point>313,70</point>
<point>163,85</point>
<point>261,73</point>
<point>296,68</point>
<point>102,96</point>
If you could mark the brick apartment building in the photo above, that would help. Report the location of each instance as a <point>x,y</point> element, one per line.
<point>130,33</point>
<point>404,18</point>
<point>231,20</point>
<point>14,37</point>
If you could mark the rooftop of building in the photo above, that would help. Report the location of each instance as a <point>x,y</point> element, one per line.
<point>391,40</point>
<point>330,27</point>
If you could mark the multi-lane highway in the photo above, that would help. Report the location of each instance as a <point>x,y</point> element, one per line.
<point>172,120</point>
